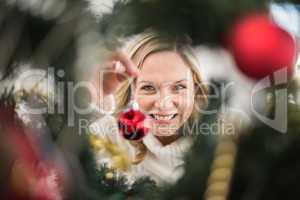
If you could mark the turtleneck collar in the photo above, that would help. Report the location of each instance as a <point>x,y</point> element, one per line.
<point>176,148</point>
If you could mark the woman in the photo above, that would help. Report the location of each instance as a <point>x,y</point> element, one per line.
<point>162,76</point>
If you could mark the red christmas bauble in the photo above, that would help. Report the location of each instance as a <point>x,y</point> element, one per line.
<point>131,125</point>
<point>260,47</point>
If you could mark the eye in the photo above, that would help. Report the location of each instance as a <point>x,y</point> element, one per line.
<point>148,88</point>
<point>179,87</point>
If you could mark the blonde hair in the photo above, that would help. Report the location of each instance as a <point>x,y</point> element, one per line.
<point>149,43</point>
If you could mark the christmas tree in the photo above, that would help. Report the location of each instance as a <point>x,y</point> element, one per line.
<point>47,47</point>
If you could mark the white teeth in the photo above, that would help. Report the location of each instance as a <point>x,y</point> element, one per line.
<point>165,117</point>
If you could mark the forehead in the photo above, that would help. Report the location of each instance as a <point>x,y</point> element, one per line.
<point>164,66</point>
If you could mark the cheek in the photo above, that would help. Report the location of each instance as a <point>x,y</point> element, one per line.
<point>186,106</point>
<point>145,102</point>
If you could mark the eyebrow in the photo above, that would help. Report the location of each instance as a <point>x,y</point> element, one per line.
<point>152,82</point>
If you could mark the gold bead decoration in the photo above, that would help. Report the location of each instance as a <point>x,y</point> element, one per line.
<point>109,175</point>
<point>119,158</point>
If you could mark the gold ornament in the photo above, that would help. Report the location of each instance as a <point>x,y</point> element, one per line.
<point>119,158</point>
<point>109,175</point>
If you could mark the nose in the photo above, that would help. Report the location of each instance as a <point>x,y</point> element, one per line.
<point>165,102</point>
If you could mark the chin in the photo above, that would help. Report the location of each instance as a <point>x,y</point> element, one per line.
<point>164,132</point>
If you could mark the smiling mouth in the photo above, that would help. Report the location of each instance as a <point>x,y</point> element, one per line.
<point>163,117</point>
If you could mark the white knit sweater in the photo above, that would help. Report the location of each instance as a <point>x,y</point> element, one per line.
<point>163,164</point>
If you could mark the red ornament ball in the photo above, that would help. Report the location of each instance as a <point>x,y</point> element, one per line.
<point>260,47</point>
<point>131,125</point>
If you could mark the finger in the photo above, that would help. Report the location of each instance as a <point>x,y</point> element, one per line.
<point>121,71</point>
<point>110,66</point>
<point>118,67</point>
<point>115,67</point>
<point>130,67</point>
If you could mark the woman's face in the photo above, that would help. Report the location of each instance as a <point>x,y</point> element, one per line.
<point>165,92</point>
